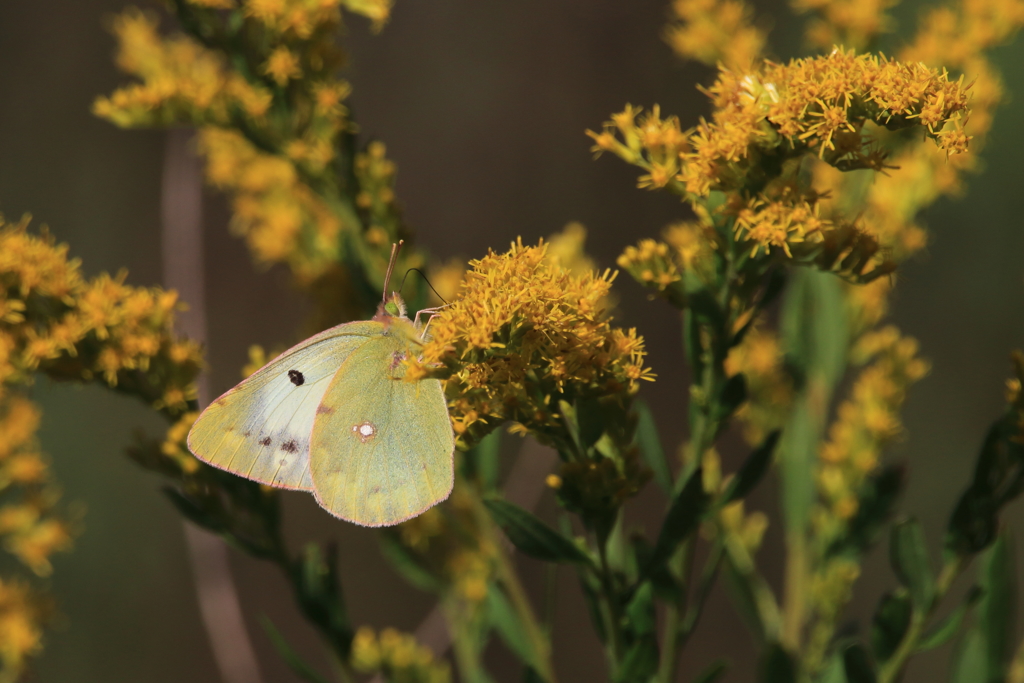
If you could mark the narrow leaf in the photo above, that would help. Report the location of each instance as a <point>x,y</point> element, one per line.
<point>290,657</point>
<point>681,520</point>
<point>406,564</point>
<point>949,626</point>
<point>997,611</point>
<point>532,536</point>
<point>752,470</point>
<point>649,443</point>
<point>908,556</point>
<point>732,395</point>
<point>858,665</point>
<point>777,666</point>
<point>969,660</point>
<point>509,628</point>
<point>891,620</point>
<point>640,662</point>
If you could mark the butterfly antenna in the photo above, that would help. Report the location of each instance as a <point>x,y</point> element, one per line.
<point>391,267</point>
<point>424,276</point>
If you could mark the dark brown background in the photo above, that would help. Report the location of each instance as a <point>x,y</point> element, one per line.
<point>483,106</point>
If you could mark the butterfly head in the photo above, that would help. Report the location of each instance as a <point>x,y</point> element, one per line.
<point>391,307</point>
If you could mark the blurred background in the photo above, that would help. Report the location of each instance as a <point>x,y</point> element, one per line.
<point>483,106</point>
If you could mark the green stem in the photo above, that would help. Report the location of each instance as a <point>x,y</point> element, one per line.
<point>506,575</point>
<point>891,671</point>
<point>795,590</point>
<point>1016,674</point>
<point>466,633</point>
<point>610,608</point>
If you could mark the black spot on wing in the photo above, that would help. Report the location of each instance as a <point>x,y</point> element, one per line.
<point>265,441</point>
<point>296,377</point>
<point>290,446</point>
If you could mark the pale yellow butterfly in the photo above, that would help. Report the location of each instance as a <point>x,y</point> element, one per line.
<point>332,415</point>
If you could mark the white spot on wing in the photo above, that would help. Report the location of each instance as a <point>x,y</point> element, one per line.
<point>364,431</point>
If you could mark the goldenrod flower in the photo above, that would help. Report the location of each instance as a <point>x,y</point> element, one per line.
<point>523,332</point>
<point>716,32</point>
<point>282,66</point>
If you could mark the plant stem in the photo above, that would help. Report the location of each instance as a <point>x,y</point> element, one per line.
<point>508,578</point>
<point>609,608</point>
<point>795,595</point>
<point>893,668</point>
<point>1016,673</point>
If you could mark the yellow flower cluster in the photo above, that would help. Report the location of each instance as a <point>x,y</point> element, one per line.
<point>778,223</point>
<point>523,333</point>
<point>769,386</point>
<point>852,23</point>
<point>688,247</point>
<point>181,80</point>
<point>22,615</point>
<point>715,31</point>
<point>955,36</point>
<point>376,176</point>
<point>72,328</point>
<point>398,656</point>
<point>270,125</point>
<point>866,422</point>
<point>818,105</point>
<point>30,526</point>
<point>175,446</point>
<point>281,218</point>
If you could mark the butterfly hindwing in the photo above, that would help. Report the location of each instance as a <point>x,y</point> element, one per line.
<point>261,429</point>
<point>381,449</point>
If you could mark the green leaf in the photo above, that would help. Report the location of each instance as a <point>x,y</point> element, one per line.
<point>890,623</point>
<point>797,455</point>
<point>858,665</point>
<point>572,424</point>
<point>752,470</point>
<point>732,395</point>
<point>908,556</point>
<point>997,611</point>
<point>813,324</point>
<point>834,671</point>
<point>591,418</point>
<point>532,536</point>
<point>290,657</point>
<point>640,611</point>
<point>875,506</point>
<point>693,345</point>
<point>998,479</point>
<point>681,520</point>
<point>949,626</point>
<point>969,662</point>
<point>649,442</point>
<point>406,564</point>
<point>712,673</point>
<point>509,628</point>
<point>486,459</point>
<point>640,661</point>
<point>752,597</point>
<point>777,666</point>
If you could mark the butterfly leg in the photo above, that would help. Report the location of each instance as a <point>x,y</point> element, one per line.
<point>431,311</point>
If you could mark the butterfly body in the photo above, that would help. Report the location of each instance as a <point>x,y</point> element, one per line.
<point>334,416</point>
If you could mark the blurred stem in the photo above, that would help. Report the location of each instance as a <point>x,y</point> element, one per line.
<point>795,600</point>
<point>508,578</point>
<point>891,671</point>
<point>680,622</point>
<point>466,634</point>
<point>1016,674</point>
<point>609,607</point>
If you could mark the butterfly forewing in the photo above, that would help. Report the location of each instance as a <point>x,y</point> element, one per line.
<point>381,449</point>
<point>261,428</point>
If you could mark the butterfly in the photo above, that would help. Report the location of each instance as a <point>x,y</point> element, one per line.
<point>332,415</point>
